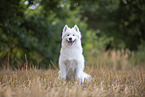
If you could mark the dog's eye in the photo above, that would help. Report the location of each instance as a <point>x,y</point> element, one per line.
<point>73,35</point>
<point>67,34</point>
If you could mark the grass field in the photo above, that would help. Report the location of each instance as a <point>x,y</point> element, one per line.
<point>44,83</point>
<point>107,81</point>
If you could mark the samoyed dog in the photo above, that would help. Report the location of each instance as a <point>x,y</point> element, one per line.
<point>71,60</point>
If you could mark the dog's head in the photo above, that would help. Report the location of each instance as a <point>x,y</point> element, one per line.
<point>71,35</point>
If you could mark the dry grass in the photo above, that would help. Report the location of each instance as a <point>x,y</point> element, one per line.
<point>115,60</point>
<point>44,83</point>
<point>109,73</point>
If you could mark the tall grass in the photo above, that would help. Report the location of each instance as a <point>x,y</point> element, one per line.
<point>116,60</point>
<point>110,78</point>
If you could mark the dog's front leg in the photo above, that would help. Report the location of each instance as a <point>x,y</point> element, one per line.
<point>79,74</point>
<point>79,71</point>
<point>62,72</point>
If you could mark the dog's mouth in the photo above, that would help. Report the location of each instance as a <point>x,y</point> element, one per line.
<point>70,42</point>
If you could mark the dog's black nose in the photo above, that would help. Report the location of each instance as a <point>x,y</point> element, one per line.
<point>70,38</point>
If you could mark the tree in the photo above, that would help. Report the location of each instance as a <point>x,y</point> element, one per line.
<point>121,19</point>
<point>33,28</point>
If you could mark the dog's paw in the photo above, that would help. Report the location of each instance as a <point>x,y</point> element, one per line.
<point>84,77</point>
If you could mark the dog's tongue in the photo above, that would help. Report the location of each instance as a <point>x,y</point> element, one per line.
<point>71,42</point>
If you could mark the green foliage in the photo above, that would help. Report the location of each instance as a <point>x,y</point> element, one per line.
<point>122,19</point>
<point>35,30</point>
<point>130,22</point>
<point>94,43</point>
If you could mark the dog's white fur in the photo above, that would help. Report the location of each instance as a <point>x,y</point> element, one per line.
<point>71,60</point>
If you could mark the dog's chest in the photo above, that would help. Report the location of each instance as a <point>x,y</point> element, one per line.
<point>71,54</point>
<point>71,64</point>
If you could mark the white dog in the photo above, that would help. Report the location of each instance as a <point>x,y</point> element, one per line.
<point>71,60</point>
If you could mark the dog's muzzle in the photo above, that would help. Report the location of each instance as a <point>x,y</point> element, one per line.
<point>70,42</point>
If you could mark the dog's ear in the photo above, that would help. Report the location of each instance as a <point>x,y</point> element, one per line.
<point>76,28</point>
<point>65,28</point>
